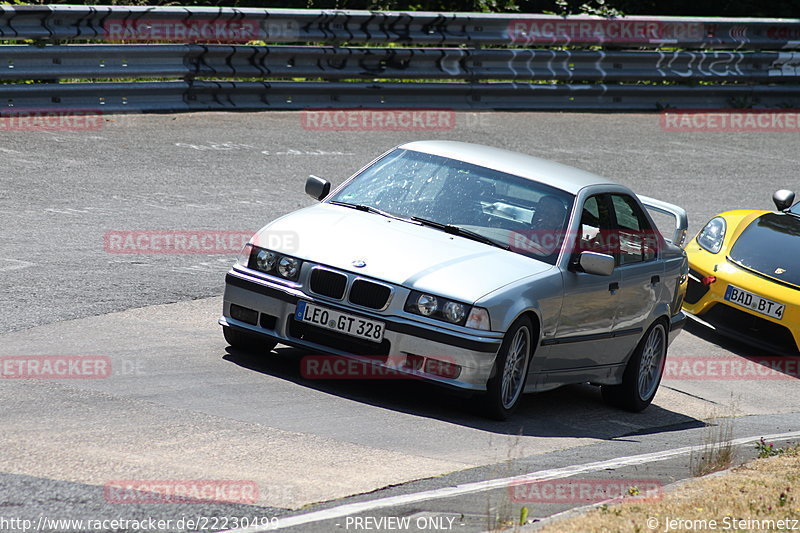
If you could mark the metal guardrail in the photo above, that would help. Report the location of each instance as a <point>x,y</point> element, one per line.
<point>221,96</point>
<point>333,63</point>
<point>336,26</point>
<point>468,61</point>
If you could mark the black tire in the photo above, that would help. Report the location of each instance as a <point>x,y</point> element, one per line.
<point>504,389</point>
<point>642,373</point>
<point>248,342</point>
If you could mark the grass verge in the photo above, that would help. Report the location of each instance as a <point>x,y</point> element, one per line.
<point>745,499</point>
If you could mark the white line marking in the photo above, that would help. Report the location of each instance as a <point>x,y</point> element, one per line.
<point>16,264</point>
<point>68,211</point>
<point>491,484</point>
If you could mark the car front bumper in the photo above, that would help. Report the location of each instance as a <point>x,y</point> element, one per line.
<point>405,341</point>
<point>707,304</point>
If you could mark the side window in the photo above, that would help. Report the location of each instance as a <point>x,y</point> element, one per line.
<point>596,226</point>
<point>637,241</point>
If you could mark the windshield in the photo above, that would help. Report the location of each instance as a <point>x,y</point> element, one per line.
<point>771,245</point>
<point>527,216</point>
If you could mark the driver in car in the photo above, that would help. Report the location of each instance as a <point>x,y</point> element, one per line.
<point>547,225</point>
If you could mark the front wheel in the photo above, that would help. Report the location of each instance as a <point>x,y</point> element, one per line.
<point>504,389</point>
<point>642,374</point>
<point>248,342</point>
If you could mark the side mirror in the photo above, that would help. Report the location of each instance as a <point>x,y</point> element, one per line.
<point>783,199</point>
<point>317,188</point>
<point>596,263</point>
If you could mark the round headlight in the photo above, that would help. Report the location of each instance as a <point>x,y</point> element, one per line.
<point>427,304</point>
<point>288,267</point>
<point>454,312</point>
<point>712,235</point>
<point>265,260</point>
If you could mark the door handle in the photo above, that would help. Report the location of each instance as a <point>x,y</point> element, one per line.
<point>655,279</point>
<point>613,286</point>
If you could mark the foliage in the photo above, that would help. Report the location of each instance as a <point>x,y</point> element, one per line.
<point>767,449</point>
<point>727,8</point>
<point>602,8</point>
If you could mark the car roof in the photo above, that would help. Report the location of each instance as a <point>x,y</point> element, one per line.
<point>556,175</point>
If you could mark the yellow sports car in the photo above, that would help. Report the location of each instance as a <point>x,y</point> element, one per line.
<point>744,275</point>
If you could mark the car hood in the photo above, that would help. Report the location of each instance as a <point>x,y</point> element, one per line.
<point>770,245</point>
<point>414,256</point>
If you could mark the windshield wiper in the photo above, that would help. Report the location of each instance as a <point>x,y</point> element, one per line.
<point>368,209</point>
<point>457,230</point>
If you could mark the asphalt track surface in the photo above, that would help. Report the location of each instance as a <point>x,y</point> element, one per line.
<point>180,405</point>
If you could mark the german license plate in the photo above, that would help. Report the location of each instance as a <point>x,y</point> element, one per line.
<point>755,302</point>
<point>371,330</point>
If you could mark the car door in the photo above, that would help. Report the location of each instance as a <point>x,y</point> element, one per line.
<point>641,272</point>
<point>583,337</point>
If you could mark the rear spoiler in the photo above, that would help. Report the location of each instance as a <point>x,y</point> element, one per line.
<point>681,219</point>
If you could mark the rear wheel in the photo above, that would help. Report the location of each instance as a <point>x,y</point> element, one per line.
<point>504,389</point>
<point>642,374</point>
<point>249,342</point>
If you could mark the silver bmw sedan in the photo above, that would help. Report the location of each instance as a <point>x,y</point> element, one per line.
<point>472,267</point>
